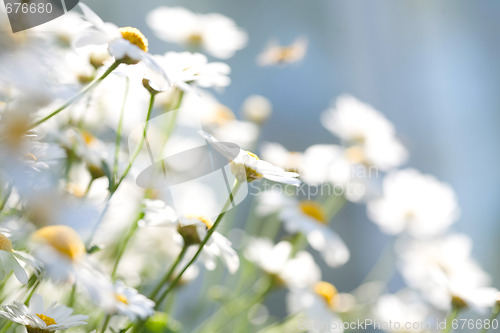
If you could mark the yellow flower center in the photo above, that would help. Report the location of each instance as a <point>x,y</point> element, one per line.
<point>313,210</point>
<point>206,221</point>
<point>253,155</point>
<point>286,53</point>
<point>122,298</point>
<point>327,291</point>
<point>88,138</point>
<point>63,239</point>
<point>222,115</point>
<point>47,320</point>
<point>195,39</point>
<point>30,157</point>
<point>5,244</point>
<point>135,37</point>
<point>355,154</point>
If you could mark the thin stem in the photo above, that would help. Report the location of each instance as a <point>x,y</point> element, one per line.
<point>125,242</point>
<point>105,323</point>
<point>203,243</point>
<point>169,274</point>
<point>8,192</point>
<point>6,328</point>
<point>119,130</point>
<point>494,315</point>
<point>134,156</point>
<point>87,190</point>
<point>141,143</point>
<point>449,319</point>
<point>78,96</point>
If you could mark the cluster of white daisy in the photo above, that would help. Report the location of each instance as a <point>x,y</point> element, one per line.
<point>77,229</point>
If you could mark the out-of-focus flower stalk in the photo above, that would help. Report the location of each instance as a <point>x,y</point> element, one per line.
<point>494,315</point>
<point>119,129</point>
<point>78,96</point>
<point>202,245</point>
<point>169,274</point>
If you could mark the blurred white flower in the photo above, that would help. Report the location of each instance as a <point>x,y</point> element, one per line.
<point>215,33</point>
<point>10,261</point>
<point>278,155</point>
<point>61,251</point>
<point>403,308</point>
<point>276,54</point>
<point>276,260</point>
<point>128,45</point>
<point>117,298</point>
<point>257,109</point>
<point>360,125</point>
<point>414,202</point>
<point>315,306</point>
<point>186,67</point>
<point>444,272</point>
<point>38,319</point>
<point>309,218</point>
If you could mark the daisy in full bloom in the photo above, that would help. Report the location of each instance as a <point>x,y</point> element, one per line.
<point>316,305</point>
<point>119,299</point>
<point>247,166</point>
<point>10,261</point>
<point>215,33</point>
<point>127,45</point>
<point>443,270</point>
<point>365,130</point>
<point>277,261</point>
<point>38,319</point>
<point>276,54</point>
<point>413,202</point>
<point>186,67</point>
<point>309,218</point>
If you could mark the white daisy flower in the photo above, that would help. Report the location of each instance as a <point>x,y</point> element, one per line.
<point>443,270</point>
<point>39,319</point>
<point>192,229</point>
<point>276,54</point>
<point>309,218</point>
<point>249,167</point>
<point>119,299</point>
<point>413,202</point>
<point>316,304</point>
<point>276,260</point>
<point>127,45</point>
<point>61,250</point>
<point>186,67</point>
<point>360,125</point>
<point>10,261</point>
<point>215,33</point>
<point>338,166</point>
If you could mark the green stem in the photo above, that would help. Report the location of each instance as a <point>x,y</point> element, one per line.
<point>203,243</point>
<point>78,96</point>
<point>125,242</point>
<point>494,315</point>
<point>87,190</point>
<point>119,130</point>
<point>332,205</point>
<point>105,323</point>
<point>141,143</point>
<point>449,319</point>
<point>134,156</point>
<point>169,274</point>
<point>8,192</point>
<point>6,328</point>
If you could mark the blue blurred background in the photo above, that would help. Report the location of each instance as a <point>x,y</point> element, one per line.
<point>432,67</point>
